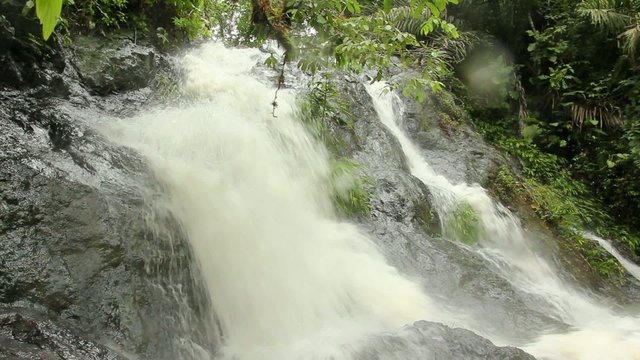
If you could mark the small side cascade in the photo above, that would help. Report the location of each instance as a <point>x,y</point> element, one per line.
<point>631,268</point>
<point>496,235</point>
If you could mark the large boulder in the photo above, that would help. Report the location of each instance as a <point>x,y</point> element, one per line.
<point>80,242</point>
<point>115,64</point>
<point>426,340</point>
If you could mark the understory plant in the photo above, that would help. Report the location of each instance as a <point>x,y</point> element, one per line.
<point>562,202</point>
<point>462,223</point>
<point>326,115</point>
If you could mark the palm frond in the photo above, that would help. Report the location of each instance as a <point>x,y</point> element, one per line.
<point>630,39</point>
<point>605,113</point>
<point>605,13</point>
<point>456,50</point>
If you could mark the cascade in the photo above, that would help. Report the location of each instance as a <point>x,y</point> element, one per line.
<point>286,278</point>
<point>631,268</point>
<point>596,333</point>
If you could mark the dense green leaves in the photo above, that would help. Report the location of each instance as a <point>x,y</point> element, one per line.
<point>577,70</point>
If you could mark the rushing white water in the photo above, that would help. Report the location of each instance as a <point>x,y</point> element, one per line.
<point>287,280</point>
<point>598,333</point>
<point>631,268</point>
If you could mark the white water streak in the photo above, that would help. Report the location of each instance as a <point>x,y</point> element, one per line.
<point>599,334</point>
<point>631,268</point>
<point>287,280</point>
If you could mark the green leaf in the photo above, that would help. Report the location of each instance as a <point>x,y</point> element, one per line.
<point>387,6</point>
<point>530,132</point>
<point>610,164</point>
<point>434,9</point>
<point>48,11</point>
<point>271,61</point>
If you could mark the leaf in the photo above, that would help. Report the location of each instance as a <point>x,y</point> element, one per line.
<point>610,164</point>
<point>387,6</point>
<point>530,132</point>
<point>434,9</point>
<point>271,61</point>
<point>48,11</point>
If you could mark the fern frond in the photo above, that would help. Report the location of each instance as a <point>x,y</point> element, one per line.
<point>404,20</point>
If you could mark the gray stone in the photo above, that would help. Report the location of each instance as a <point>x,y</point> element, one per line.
<point>27,334</point>
<point>406,227</point>
<point>75,236</point>
<point>114,64</point>
<point>426,340</point>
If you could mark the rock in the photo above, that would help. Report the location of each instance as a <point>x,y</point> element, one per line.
<point>27,334</point>
<point>27,63</point>
<point>115,64</point>
<point>7,34</point>
<point>426,340</point>
<point>76,240</point>
<point>443,131</point>
<point>406,226</point>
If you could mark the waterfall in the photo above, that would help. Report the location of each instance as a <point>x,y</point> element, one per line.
<point>286,278</point>
<point>631,268</point>
<point>597,333</point>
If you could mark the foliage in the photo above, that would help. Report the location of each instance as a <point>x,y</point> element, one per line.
<point>351,35</point>
<point>617,16</point>
<point>326,114</point>
<point>564,203</point>
<point>574,102</point>
<point>350,189</point>
<point>190,19</point>
<point>322,109</point>
<point>463,224</point>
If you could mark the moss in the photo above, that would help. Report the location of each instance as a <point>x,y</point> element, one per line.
<point>447,106</point>
<point>327,116</point>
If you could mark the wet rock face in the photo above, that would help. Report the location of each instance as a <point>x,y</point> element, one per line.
<point>115,64</point>
<point>406,227</point>
<point>26,334</point>
<point>426,340</point>
<point>443,131</point>
<point>25,64</point>
<point>76,241</point>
